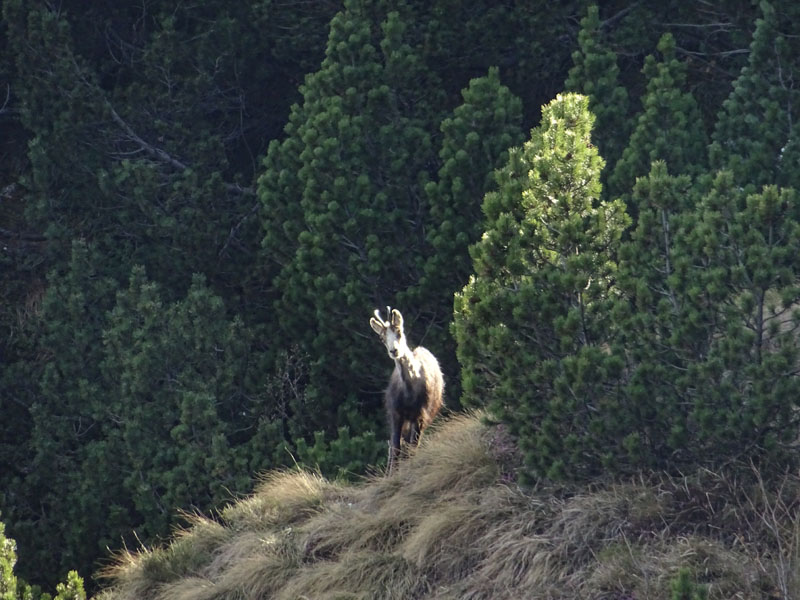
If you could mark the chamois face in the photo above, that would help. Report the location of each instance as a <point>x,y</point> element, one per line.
<point>391,333</point>
<point>395,341</point>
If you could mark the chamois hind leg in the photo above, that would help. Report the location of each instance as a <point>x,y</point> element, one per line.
<point>407,432</point>
<point>406,436</point>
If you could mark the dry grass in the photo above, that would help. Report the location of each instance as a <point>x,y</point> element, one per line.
<point>282,498</point>
<point>451,524</point>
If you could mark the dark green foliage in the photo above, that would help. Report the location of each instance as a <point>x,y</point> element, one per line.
<point>746,389</point>
<point>345,456</point>
<point>755,137</point>
<point>464,40</point>
<point>167,412</point>
<point>59,110</point>
<point>137,131</point>
<point>61,387</point>
<point>346,216</point>
<point>708,323</point>
<point>731,318</point>
<point>176,381</point>
<point>142,127</point>
<point>130,142</point>
<point>683,588</point>
<point>13,588</point>
<point>646,315</point>
<point>684,355</point>
<point>475,141</point>
<point>168,126</point>
<point>190,419</point>
<point>710,40</point>
<point>669,128</point>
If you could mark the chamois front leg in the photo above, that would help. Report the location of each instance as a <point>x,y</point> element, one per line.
<point>411,436</point>
<point>394,442</point>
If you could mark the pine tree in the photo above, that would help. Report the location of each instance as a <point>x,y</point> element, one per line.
<point>683,588</point>
<point>475,142</point>
<point>8,558</point>
<point>13,588</point>
<point>138,407</point>
<point>744,279</point>
<point>650,321</point>
<point>182,409</point>
<point>705,315</point>
<point>71,589</point>
<point>531,321</point>
<point>144,141</point>
<point>57,108</point>
<point>64,394</point>
<point>687,360</point>
<point>755,128</point>
<point>669,128</point>
<point>595,73</point>
<point>355,211</point>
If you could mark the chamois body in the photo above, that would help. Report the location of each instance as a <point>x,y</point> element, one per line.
<point>416,387</point>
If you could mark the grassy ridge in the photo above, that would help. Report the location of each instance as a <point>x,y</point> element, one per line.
<point>451,523</point>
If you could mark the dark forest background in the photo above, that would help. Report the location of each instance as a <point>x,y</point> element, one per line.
<point>201,203</point>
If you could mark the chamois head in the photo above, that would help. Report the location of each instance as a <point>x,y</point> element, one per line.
<point>391,332</point>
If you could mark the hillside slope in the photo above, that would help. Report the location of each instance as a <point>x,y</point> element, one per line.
<point>452,523</point>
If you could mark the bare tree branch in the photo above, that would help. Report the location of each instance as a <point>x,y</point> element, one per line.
<point>3,108</point>
<point>614,18</point>
<point>163,156</point>
<point>21,236</point>
<point>157,153</point>
<point>234,232</point>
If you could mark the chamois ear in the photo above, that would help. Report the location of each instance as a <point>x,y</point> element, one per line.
<point>377,323</point>
<point>377,326</point>
<point>397,319</point>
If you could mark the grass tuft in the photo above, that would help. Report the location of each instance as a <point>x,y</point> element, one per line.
<point>362,575</point>
<point>282,497</point>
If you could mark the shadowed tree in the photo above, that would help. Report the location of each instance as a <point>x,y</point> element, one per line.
<point>475,142</point>
<point>145,133</point>
<point>669,128</point>
<point>741,258</point>
<point>595,74</point>
<point>648,311</point>
<point>61,388</point>
<point>346,215</point>
<point>754,137</point>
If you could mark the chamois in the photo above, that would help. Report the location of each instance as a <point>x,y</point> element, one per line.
<point>414,395</point>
